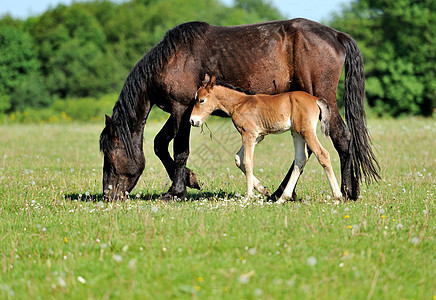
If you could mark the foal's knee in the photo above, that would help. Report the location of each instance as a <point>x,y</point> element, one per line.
<point>324,158</point>
<point>238,161</point>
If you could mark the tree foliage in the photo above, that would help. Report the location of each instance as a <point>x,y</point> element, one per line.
<point>87,49</point>
<point>398,43</point>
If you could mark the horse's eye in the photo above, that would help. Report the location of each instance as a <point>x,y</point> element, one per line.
<point>201,101</point>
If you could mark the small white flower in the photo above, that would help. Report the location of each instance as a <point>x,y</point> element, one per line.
<point>118,258</point>
<point>341,265</point>
<point>311,261</point>
<point>132,263</point>
<point>62,282</point>
<point>110,187</point>
<point>154,209</point>
<point>258,292</point>
<point>252,251</point>
<point>81,279</point>
<point>415,240</point>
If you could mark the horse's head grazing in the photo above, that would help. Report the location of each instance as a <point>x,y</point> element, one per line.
<point>205,101</point>
<point>123,163</point>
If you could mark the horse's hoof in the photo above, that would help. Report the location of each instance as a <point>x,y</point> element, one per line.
<point>173,196</point>
<point>191,179</point>
<point>168,197</point>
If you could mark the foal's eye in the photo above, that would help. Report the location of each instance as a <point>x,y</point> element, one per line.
<point>201,101</point>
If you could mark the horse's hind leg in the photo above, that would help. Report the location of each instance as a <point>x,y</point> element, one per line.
<point>301,157</point>
<point>324,159</point>
<point>341,139</point>
<point>161,143</point>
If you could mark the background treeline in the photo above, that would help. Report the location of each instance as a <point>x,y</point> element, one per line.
<point>71,61</point>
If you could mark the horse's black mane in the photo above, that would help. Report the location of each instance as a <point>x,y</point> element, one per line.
<point>228,85</point>
<point>137,85</point>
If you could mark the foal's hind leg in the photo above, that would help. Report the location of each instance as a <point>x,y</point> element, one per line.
<point>301,157</point>
<point>239,158</point>
<point>324,159</point>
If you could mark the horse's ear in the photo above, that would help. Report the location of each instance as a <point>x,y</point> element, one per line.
<point>110,126</point>
<point>206,79</point>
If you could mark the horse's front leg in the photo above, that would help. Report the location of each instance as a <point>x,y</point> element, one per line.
<point>161,143</point>
<point>182,129</point>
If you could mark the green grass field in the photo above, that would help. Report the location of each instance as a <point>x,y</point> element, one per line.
<point>58,240</point>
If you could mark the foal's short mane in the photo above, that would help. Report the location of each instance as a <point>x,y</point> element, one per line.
<point>137,87</point>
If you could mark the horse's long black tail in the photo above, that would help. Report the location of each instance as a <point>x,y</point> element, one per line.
<point>363,158</point>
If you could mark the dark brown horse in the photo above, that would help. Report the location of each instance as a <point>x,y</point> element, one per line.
<point>269,58</point>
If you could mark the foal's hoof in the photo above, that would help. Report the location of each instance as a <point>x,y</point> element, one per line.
<point>281,201</point>
<point>275,197</point>
<point>267,193</point>
<point>191,179</point>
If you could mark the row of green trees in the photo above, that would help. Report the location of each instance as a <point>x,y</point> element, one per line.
<point>87,49</point>
<point>398,42</point>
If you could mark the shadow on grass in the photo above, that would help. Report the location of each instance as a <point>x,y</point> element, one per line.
<point>149,196</point>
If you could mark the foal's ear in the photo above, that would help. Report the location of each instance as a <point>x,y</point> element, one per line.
<point>212,81</point>
<point>206,79</point>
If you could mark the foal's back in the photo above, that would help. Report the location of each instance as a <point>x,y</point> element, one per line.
<point>278,113</point>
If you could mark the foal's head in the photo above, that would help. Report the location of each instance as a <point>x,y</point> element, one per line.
<point>205,101</point>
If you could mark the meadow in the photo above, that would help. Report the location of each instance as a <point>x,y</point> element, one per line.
<point>59,240</point>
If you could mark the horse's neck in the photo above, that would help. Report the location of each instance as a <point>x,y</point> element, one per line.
<point>132,108</point>
<point>230,100</point>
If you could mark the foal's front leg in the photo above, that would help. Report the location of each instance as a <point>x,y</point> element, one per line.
<point>248,142</point>
<point>239,158</point>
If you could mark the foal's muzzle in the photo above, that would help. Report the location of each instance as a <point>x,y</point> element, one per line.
<point>196,122</point>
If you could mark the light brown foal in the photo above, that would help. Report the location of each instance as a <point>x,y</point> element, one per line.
<point>255,116</point>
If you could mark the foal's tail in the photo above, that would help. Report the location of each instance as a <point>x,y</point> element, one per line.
<point>324,116</point>
<point>364,161</point>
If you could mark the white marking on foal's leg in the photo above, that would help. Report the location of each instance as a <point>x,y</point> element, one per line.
<point>301,157</point>
<point>239,158</point>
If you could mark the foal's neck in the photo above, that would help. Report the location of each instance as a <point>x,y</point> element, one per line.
<point>230,100</point>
